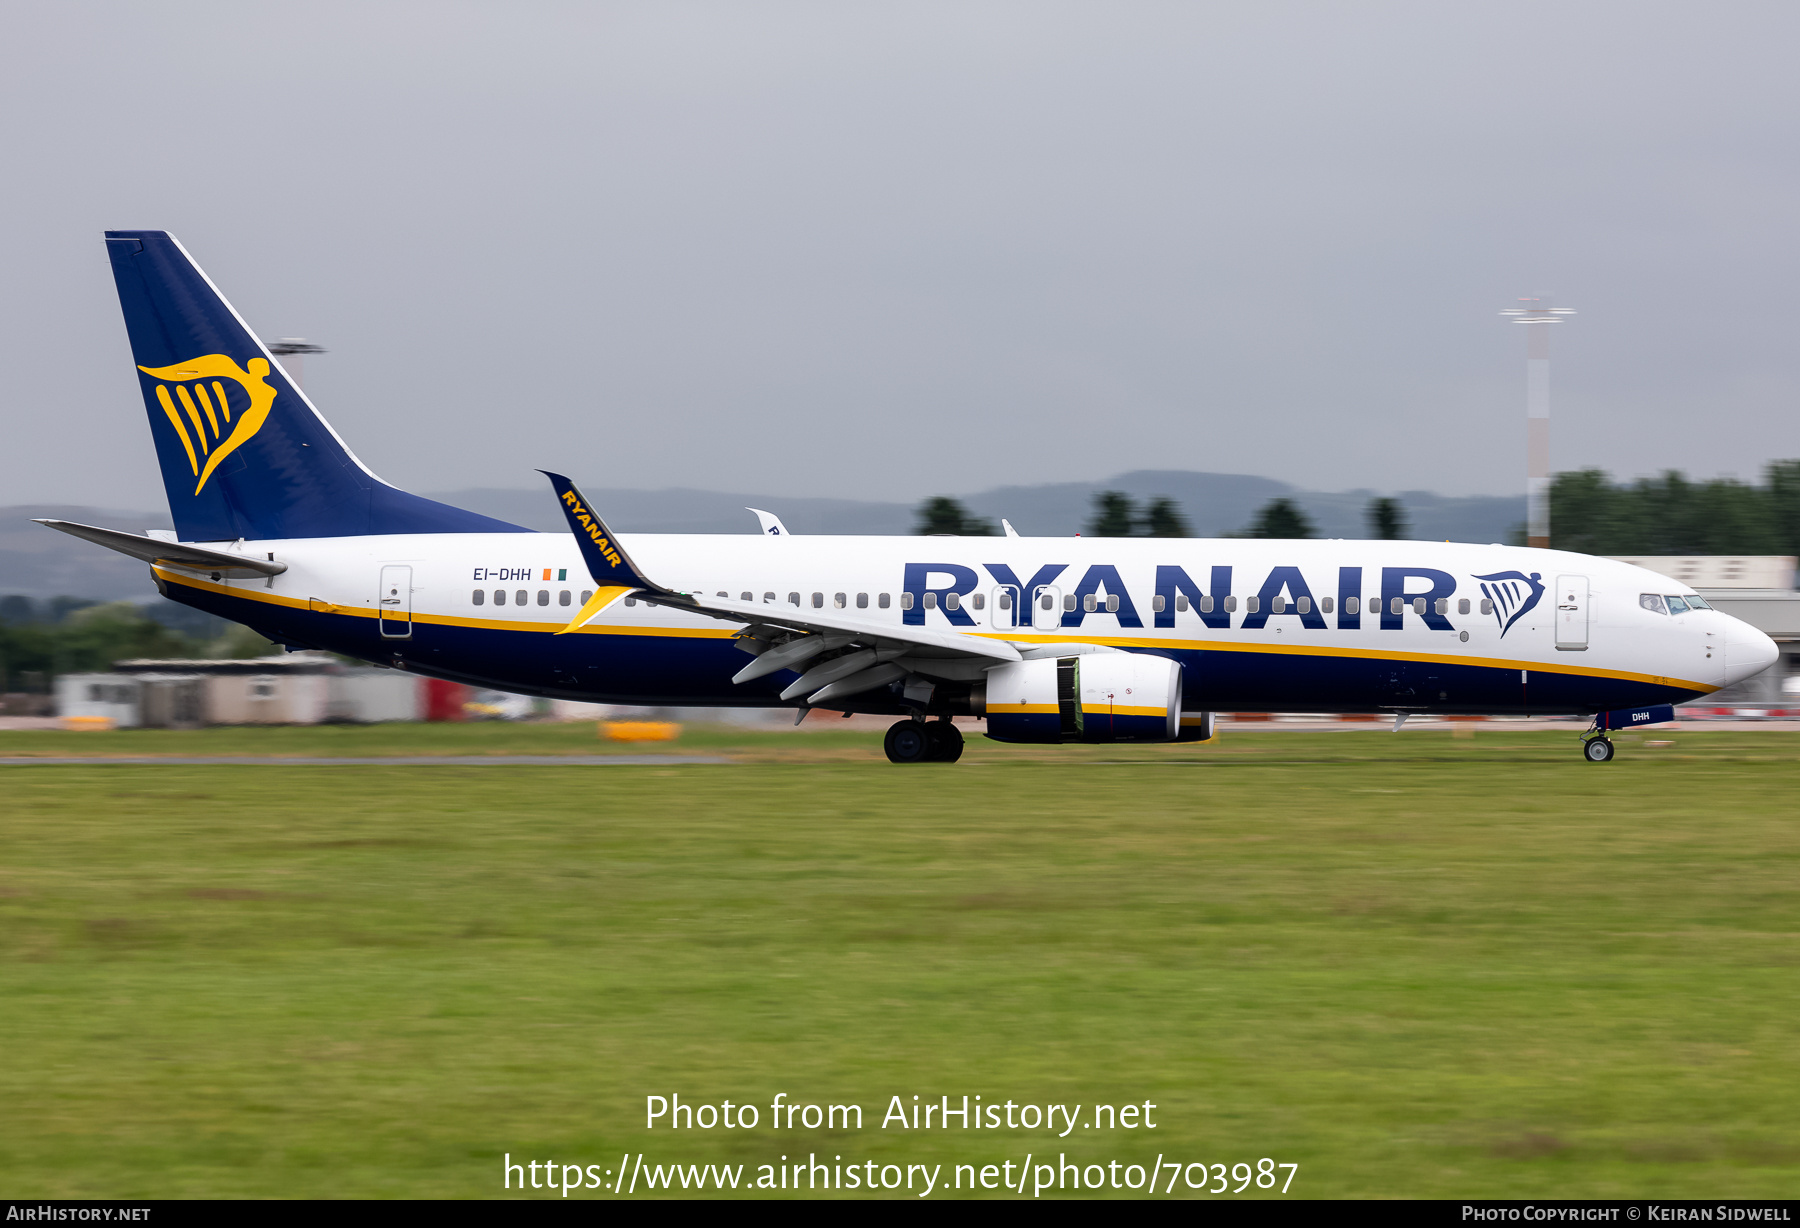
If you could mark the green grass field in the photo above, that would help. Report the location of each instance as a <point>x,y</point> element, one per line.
<point>1414,964</point>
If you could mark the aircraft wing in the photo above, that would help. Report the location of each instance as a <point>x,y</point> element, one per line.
<point>865,630</point>
<point>853,654</point>
<point>170,554</point>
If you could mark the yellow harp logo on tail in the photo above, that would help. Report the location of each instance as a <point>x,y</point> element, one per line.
<point>204,420</point>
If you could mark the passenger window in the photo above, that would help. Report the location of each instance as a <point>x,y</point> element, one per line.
<point>1419,605</point>
<point>1231,604</point>
<point>1278,605</point>
<point>479,596</point>
<point>631,601</point>
<point>1487,606</point>
<point>906,601</point>
<point>1088,603</point>
<point>562,598</point>
<point>931,601</point>
<point>543,596</point>
<point>1462,607</point>
<point>519,598</point>
<point>1069,603</point>
<point>1206,603</point>
<point>952,601</point>
<point>1396,606</point>
<point>862,601</point>
<point>1325,604</point>
<point>1112,604</point>
<point>839,600</point>
<point>499,596</point>
<point>979,600</point>
<point>793,598</point>
<point>1443,605</point>
<point>818,601</point>
<point>1156,604</point>
<point>1353,605</point>
<point>1677,605</point>
<point>1252,604</point>
<point>1046,601</point>
<point>1003,601</point>
<point>1181,603</point>
<point>587,595</point>
<point>1303,604</point>
<point>768,598</point>
<point>882,601</point>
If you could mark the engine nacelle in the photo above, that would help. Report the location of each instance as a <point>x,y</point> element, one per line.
<point>1101,697</point>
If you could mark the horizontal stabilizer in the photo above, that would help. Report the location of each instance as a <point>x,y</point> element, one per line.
<point>170,554</point>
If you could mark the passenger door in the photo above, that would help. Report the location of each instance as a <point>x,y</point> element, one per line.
<point>394,603</point>
<point>1571,613</point>
<point>1046,607</point>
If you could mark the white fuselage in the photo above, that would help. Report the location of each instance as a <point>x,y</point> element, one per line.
<point>1290,625</point>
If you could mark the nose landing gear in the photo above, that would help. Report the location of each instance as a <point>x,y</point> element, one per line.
<point>1597,750</point>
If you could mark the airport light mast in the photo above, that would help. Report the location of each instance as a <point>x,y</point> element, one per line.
<point>293,351</point>
<point>1537,315</point>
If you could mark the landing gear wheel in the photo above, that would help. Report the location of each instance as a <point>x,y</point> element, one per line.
<point>907,742</point>
<point>1597,750</point>
<point>946,742</point>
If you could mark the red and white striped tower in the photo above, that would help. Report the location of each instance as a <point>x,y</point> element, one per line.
<point>1537,315</point>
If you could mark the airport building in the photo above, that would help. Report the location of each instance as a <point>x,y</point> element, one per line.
<point>303,688</point>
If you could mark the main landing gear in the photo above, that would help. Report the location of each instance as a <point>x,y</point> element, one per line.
<point>911,741</point>
<point>1597,750</point>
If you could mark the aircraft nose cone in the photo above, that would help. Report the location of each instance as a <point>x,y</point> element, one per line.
<point>1748,652</point>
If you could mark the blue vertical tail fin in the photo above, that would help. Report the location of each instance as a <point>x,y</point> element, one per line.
<point>243,452</point>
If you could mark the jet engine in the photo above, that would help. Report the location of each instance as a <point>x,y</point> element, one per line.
<point>1099,697</point>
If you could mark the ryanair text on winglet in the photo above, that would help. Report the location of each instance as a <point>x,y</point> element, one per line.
<point>587,522</point>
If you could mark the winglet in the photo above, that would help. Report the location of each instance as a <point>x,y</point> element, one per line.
<point>770,523</point>
<point>613,571</point>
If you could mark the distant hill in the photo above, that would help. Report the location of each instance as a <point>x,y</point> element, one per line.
<point>38,562</point>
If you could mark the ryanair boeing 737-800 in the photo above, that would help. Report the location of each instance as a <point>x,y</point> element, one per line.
<point>280,527</point>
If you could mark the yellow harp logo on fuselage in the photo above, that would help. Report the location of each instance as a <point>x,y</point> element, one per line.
<point>203,419</point>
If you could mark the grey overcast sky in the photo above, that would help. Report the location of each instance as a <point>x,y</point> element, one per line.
<point>887,250</point>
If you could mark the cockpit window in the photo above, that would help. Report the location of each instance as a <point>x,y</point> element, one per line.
<point>1694,603</point>
<point>1653,602</point>
<point>1677,605</point>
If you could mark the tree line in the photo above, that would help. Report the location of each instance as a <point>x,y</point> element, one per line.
<point>1671,514</point>
<point>71,635</point>
<point>1589,513</point>
<point>1116,514</point>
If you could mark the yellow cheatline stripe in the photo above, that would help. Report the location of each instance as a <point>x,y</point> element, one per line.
<point>1122,710</point>
<point>602,598</point>
<point>206,404</point>
<point>162,394</point>
<point>1023,708</point>
<point>224,405</point>
<point>1369,654</point>
<point>193,414</point>
<point>445,620</point>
